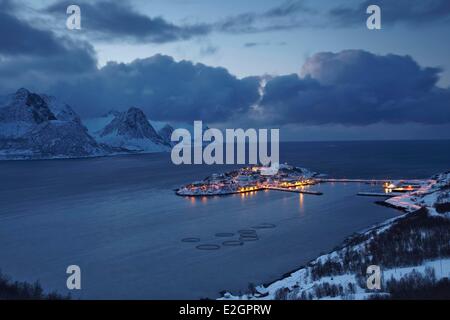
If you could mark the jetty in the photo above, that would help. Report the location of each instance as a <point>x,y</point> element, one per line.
<point>316,193</point>
<point>380,194</point>
<point>368,181</point>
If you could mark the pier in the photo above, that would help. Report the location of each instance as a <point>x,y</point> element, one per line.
<point>368,181</point>
<point>374,181</point>
<point>316,193</point>
<point>379,194</point>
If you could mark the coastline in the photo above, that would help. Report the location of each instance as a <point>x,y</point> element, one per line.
<point>225,295</point>
<point>337,283</point>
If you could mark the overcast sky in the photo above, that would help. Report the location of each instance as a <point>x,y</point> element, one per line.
<point>326,75</point>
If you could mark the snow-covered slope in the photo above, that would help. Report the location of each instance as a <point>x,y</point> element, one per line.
<point>96,124</point>
<point>20,112</point>
<point>433,196</point>
<point>130,131</point>
<point>34,126</point>
<point>166,133</point>
<point>164,130</point>
<point>38,126</point>
<point>61,110</point>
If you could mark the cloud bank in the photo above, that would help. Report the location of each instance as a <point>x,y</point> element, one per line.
<point>355,87</point>
<point>165,89</point>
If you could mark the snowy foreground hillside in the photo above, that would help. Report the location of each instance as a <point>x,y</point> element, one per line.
<point>412,250</point>
<point>37,126</point>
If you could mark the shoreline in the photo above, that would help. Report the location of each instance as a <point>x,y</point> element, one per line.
<point>339,246</point>
<point>224,194</point>
<point>406,203</point>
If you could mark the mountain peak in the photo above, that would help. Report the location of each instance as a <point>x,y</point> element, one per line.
<point>132,124</point>
<point>111,112</point>
<point>27,129</point>
<point>26,106</point>
<point>132,131</point>
<point>166,133</point>
<point>21,94</point>
<point>39,107</point>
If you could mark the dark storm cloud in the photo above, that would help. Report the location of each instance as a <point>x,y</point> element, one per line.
<point>355,87</point>
<point>261,44</point>
<point>352,87</point>
<point>398,11</point>
<point>297,14</point>
<point>113,20</point>
<point>164,89</point>
<point>288,8</point>
<point>281,17</point>
<point>118,20</point>
<point>32,56</point>
<point>18,37</point>
<point>72,59</point>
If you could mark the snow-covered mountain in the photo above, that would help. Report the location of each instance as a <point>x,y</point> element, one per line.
<point>130,130</point>
<point>34,126</point>
<point>61,110</point>
<point>166,133</point>
<point>39,126</point>
<point>163,129</point>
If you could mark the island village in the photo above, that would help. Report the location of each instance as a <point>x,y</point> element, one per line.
<point>287,178</point>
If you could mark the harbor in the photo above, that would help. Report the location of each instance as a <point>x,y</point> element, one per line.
<point>287,179</point>
<point>252,179</point>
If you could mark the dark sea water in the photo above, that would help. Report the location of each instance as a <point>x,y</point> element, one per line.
<point>120,221</point>
<point>375,159</point>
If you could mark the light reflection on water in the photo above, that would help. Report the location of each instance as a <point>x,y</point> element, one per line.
<point>301,204</point>
<point>247,196</point>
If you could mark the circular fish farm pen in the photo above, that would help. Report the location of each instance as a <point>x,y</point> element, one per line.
<point>243,236</point>
<point>224,235</point>
<point>208,247</point>
<point>248,237</point>
<point>248,231</point>
<point>190,240</point>
<point>233,243</point>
